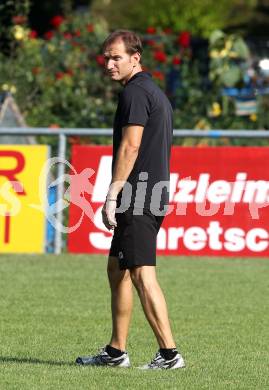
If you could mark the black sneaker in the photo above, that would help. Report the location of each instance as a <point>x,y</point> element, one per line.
<point>104,359</point>
<point>159,363</point>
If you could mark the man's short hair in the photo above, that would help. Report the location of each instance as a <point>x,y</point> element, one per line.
<point>131,40</point>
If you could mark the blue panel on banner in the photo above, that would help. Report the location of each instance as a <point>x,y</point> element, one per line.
<point>238,92</point>
<point>50,232</point>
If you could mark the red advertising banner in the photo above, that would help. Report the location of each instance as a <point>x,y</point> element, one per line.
<point>219,198</point>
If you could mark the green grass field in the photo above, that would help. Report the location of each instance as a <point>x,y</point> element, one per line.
<point>56,308</point>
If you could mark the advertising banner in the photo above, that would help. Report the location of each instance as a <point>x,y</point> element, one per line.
<point>22,218</point>
<point>219,198</point>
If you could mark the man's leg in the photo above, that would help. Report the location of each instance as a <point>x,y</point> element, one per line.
<point>121,303</point>
<point>114,354</point>
<point>153,303</point>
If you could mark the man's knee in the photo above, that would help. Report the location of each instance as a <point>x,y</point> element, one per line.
<point>143,278</point>
<point>115,275</point>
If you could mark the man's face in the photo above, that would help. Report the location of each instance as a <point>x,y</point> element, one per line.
<point>120,66</point>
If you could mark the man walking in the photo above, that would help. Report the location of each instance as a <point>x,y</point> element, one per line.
<point>136,203</point>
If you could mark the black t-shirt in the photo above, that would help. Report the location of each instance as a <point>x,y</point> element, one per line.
<point>143,103</point>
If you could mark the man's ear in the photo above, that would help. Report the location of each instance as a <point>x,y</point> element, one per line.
<point>137,57</point>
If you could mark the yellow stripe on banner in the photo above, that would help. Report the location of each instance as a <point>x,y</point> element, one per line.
<point>22,226</point>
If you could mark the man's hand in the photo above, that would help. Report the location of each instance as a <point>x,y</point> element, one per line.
<point>108,214</point>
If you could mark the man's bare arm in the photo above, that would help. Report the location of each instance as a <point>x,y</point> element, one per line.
<point>126,157</point>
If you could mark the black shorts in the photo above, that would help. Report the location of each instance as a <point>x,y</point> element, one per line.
<point>134,239</point>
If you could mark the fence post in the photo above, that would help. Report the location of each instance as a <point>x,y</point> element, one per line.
<point>60,193</point>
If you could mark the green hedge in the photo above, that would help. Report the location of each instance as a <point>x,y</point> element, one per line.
<point>58,80</point>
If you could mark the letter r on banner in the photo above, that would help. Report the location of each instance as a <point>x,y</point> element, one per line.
<point>10,173</point>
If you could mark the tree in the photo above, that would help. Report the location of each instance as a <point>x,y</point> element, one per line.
<point>42,11</point>
<point>258,24</point>
<point>199,17</point>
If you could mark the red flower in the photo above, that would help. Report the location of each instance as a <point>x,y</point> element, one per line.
<point>77,33</point>
<point>69,72</point>
<point>32,34</point>
<point>100,60</point>
<point>151,42</point>
<point>59,75</point>
<point>90,28</point>
<point>158,75</point>
<point>168,30</point>
<point>67,35</point>
<point>54,126</point>
<point>19,19</point>
<point>160,56</point>
<point>74,140</point>
<point>184,39</point>
<point>49,35</point>
<point>56,21</point>
<point>176,60</point>
<point>151,30</point>
<point>36,70</point>
<point>75,44</point>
